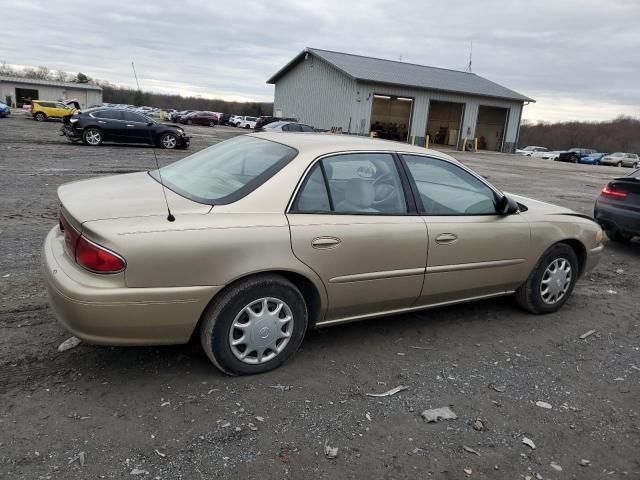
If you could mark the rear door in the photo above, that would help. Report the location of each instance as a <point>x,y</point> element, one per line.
<point>473,251</point>
<point>354,225</point>
<point>110,122</point>
<point>135,128</point>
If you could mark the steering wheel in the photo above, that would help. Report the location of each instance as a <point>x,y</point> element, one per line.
<point>382,180</point>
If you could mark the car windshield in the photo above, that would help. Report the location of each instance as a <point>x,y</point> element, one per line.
<point>227,171</point>
<point>617,154</point>
<point>528,149</point>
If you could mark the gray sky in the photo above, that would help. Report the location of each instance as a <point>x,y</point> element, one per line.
<point>580,59</point>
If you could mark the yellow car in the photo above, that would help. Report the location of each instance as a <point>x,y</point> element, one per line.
<point>44,109</point>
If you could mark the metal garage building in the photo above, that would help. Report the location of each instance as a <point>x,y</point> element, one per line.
<point>16,90</point>
<point>400,101</point>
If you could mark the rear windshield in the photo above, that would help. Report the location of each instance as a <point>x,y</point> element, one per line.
<point>227,171</point>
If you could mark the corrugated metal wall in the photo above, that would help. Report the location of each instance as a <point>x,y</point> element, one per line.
<point>319,94</point>
<point>316,93</point>
<point>46,92</point>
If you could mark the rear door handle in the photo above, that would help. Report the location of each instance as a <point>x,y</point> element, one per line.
<point>325,242</point>
<point>446,238</point>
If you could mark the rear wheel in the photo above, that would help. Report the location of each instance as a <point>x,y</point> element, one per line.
<point>39,117</point>
<point>551,282</point>
<point>212,124</point>
<point>619,236</point>
<point>189,122</point>
<point>169,141</point>
<point>254,326</point>
<point>92,137</point>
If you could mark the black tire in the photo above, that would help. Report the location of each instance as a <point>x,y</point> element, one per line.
<point>39,117</point>
<point>169,141</point>
<point>212,124</point>
<point>220,315</point>
<point>189,122</point>
<point>529,295</point>
<point>92,136</point>
<point>618,236</point>
<point>619,164</point>
<point>574,159</point>
<point>635,165</point>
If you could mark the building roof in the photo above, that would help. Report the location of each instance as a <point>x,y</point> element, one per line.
<point>49,83</point>
<point>392,72</point>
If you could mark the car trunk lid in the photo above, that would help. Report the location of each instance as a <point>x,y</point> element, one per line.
<point>122,196</point>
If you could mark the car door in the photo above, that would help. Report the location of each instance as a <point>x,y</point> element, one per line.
<point>354,225</point>
<point>473,250</point>
<point>135,128</point>
<point>110,122</point>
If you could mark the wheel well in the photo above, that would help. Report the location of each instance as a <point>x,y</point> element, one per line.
<point>302,283</point>
<point>579,249</point>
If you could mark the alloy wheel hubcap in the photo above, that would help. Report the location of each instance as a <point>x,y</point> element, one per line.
<point>261,330</point>
<point>169,141</point>
<point>93,137</point>
<point>555,281</point>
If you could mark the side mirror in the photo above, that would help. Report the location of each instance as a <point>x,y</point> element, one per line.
<point>507,206</point>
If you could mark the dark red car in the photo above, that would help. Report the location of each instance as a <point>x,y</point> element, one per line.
<point>200,118</point>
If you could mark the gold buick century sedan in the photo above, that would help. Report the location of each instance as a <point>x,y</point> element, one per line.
<point>272,234</point>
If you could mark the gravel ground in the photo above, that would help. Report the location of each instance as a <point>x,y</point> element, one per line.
<point>166,413</point>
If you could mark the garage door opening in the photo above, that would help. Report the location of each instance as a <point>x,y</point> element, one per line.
<point>444,123</point>
<point>391,117</point>
<point>25,95</point>
<point>492,122</point>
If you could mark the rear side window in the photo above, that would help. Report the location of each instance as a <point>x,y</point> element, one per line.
<point>359,183</point>
<point>227,171</point>
<point>446,189</point>
<point>108,114</point>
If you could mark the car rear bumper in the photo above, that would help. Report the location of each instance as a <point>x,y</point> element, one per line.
<point>109,315</point>
<point>69,132</point>
<point>611,217</point>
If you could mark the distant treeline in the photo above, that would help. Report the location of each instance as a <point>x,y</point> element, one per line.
<point>113,94</point>
<point>619,135</point>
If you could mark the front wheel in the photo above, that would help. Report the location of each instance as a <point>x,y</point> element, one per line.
<point>39,117</point>
<point>92,137</point>
<point>212,124</point>
<point>189,122</point>
<point>254,326</point>
<point>619,164</point>
<point>169,141</point>
<point>551,282</point>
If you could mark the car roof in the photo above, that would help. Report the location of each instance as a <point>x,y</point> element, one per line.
<point>321,143</point>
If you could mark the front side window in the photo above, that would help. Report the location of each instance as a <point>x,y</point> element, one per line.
<point>358,183</point>
<point>134,117</point>
<point>446,189</point>
<point>227,171</point>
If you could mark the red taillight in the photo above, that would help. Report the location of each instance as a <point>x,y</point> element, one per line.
<point>89,255</point>
<point>98,259</point>
<point>609,191</point>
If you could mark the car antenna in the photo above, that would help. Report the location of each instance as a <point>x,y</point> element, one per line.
<point>170,216</point>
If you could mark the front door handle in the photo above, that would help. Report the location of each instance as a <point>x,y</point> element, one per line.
<point>446,238</point>
<point>325,242</point>
<point>128,125</point>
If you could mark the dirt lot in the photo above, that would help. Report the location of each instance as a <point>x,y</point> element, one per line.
<point>166,411</point>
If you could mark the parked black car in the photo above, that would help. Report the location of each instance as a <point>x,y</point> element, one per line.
<point>574,154</point>
<point>617,208</point>
<point>115,125</point>
<point>265,120</point>
<point>224,119</point>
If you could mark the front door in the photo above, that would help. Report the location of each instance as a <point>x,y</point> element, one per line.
<point>351,222</point>
<point>473,251</point>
